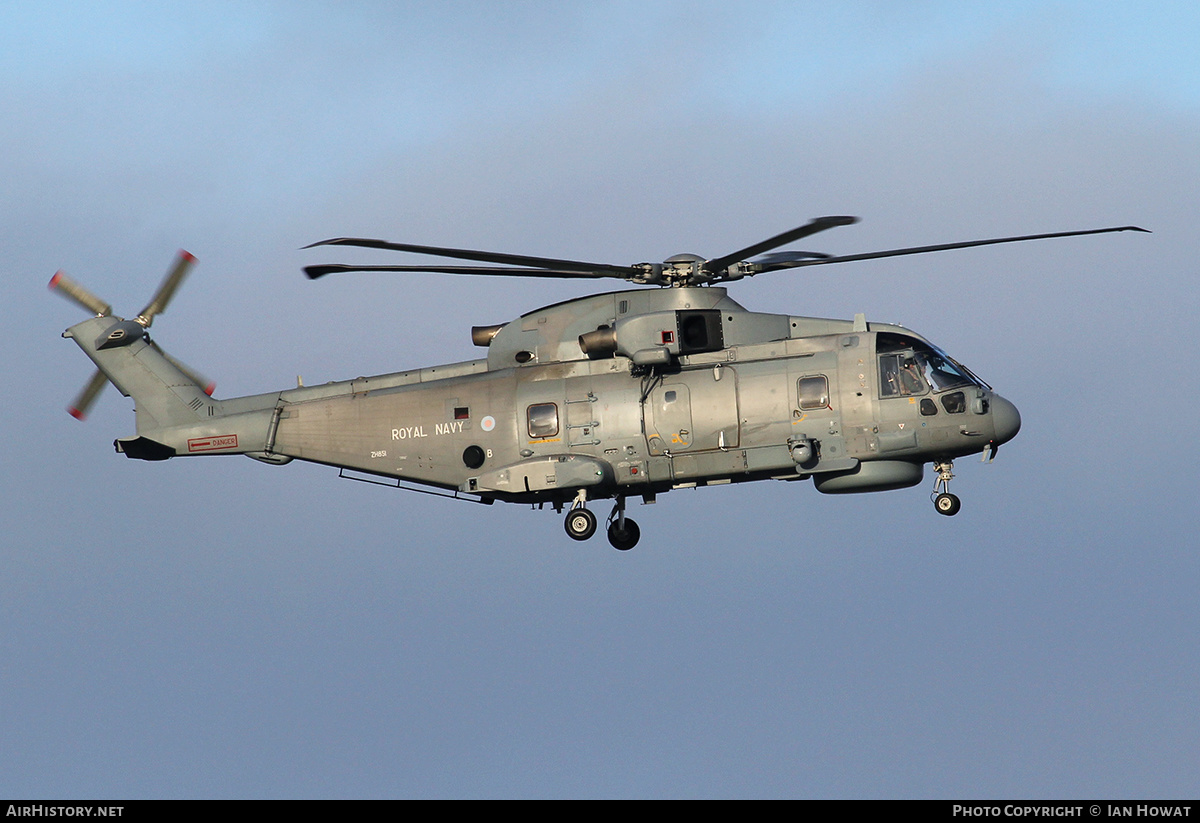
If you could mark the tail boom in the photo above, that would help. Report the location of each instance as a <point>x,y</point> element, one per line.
<point>175,414</point>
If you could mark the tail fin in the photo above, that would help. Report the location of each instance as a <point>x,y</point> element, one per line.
<point>165,392</point>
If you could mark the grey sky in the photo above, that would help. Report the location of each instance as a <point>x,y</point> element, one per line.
<point>225,628</point>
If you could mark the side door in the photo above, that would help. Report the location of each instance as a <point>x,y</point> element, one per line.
<point>693,411</point>
<point>903,398</point>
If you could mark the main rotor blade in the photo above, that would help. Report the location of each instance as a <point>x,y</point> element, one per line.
<point>846,258</point>
<point>314,272</point>
<point>87,396</point>
<point>790,256</point>
<point>603,269</point>
<point>76,293</point>
<point>166,289</point>
<point>810,228</point>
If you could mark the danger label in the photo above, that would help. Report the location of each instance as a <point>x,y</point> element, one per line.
<point>212,444</point>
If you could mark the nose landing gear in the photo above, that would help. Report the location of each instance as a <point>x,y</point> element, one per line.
<point>943,501</point>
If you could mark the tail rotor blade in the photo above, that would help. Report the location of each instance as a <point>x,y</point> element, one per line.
<point>76,293</point>
<point>167,289</point>
<point>87,396</point>
<point>208,386</point>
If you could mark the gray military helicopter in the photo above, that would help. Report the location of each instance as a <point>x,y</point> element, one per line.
<point>610,396</point>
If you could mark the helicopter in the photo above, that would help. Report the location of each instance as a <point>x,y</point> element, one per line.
<point>610,396</point>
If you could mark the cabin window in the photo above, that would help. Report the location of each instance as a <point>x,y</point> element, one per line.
<point>814,392</point>
<point>928,407</point>
<point>543,420</point>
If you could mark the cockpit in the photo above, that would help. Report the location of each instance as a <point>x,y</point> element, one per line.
<point>909,367</point>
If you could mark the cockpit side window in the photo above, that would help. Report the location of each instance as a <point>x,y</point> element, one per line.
<point>899,372</point>
<point>899,375</point>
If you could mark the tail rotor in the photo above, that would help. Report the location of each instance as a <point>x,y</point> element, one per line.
<point>125,332</point>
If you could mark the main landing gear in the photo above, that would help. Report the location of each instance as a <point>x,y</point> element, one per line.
<point>943,501</point>
<point>623,532</point>
<point>581,524</point>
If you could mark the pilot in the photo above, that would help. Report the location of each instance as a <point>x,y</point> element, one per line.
<point>910,378</point>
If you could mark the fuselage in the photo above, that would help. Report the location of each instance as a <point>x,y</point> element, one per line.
<point>779,397</point>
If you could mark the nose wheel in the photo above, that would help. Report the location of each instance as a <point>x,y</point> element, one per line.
<point>943,501</point>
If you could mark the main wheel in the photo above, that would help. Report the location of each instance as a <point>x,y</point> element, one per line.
<point>947,504</point>
<point>580,524</point>
<point>624,539</point>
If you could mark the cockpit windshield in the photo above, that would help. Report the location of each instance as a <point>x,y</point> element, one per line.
<point>908,366</point>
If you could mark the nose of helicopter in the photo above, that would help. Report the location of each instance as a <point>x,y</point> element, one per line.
<point>1006,420</point>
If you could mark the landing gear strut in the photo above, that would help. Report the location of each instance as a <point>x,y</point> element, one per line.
<point>943,501</point>
<point>580,523</point>
<point>623,532</point>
